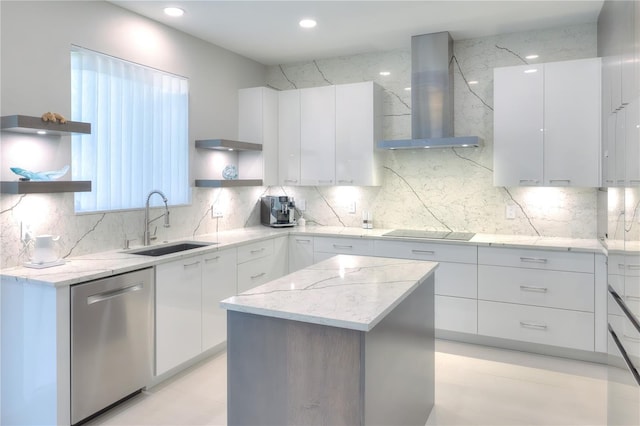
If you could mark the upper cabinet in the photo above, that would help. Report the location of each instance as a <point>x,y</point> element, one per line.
<point>358,128</point>
<point>547,124</point>
<point>317,135</point>
<point>327,135</point>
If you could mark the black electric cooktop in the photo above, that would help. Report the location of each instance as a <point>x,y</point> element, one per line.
<point>433,235</point>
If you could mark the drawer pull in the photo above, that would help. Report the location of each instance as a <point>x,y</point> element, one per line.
<point>633,267</point>
<point>211,259</point>
<point>620,265</point>
<point>324,181</point>
<point>559,180</point>
<point>337,246</point>
<point>302,241</point>
<point>253,277</point>
<point>345,181</point>
<point>533,260</point>
<point>632,298</point>
<point>257,251</point>
<point>291,180</point>
<point>529,181</point>
<point>187,265</point>
<point>630,338</point>
<point>533,289</point>
<point>534,325</point>
<point>431,252</point>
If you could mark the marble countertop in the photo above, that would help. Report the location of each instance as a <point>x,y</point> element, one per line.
<point>353,292</point>
<point>104,264</point>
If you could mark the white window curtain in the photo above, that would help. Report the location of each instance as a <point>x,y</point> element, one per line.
<point>139,132</point>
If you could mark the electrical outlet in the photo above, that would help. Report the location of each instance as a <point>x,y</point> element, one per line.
<point>510,211</point>
<point>216,213</point>
<point>351,207</point>
<point>301,204</point>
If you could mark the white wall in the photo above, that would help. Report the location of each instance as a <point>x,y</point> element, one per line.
<point>36,38</point>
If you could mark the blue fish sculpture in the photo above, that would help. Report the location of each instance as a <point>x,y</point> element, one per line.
<point>50,175</point>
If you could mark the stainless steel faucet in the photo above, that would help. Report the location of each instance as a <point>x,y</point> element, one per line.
<point>147,236</point>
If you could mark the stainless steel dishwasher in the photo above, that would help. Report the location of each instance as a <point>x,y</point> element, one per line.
<point>112,328</point>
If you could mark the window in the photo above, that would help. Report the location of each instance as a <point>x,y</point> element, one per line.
<point>139,132</point>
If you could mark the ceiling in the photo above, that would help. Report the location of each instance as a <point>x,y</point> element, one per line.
<point>268,31</point>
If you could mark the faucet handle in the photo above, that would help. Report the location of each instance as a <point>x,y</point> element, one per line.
<point>154,236</point>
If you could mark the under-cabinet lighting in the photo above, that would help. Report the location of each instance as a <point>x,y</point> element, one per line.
<point>531,70</point>
<point>173,11</point>
<point>385,73</point>
<point>465,145</point>
<point>531,57</point>
<point>41,132</point>
<point>230,149</point>
<point>308,23</point>
<point>473,82</point>
<point>408,89</point>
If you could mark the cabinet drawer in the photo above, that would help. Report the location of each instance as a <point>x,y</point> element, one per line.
<point>358,246</point>
<point>548,326</point>
<point>553,289</point>
<point>255,250</point>
<point>457,279</point>
<point>456,314</point>
<point>427,251</point>
<point>256,272</point>
<point>628,265</point>
<point>536,259</point>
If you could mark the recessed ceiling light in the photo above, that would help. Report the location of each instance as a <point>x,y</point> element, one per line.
<point>308,23</point>
<point>531,57</point>
<point>473,82</point>
<point>173,11</point>
<point>385,73</point>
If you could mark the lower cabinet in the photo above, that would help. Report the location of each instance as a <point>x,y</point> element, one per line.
<point>300,252</point>
<point>188,318</point>
<point>261,262</point>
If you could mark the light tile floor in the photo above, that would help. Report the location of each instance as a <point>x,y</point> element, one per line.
<point>475,385</point>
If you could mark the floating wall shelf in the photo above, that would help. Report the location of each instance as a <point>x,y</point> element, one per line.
<point>221,183</point>
<point>44,187</point>
<point>228,145</point>
<point>28,124</point>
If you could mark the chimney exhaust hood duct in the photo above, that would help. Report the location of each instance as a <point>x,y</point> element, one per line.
<point>432,96</point>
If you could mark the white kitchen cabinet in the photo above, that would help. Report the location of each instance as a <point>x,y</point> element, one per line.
<point>357,130</point>
<point>326,247</point>
<point>219,279</point>
<point>178,312</point>
<point>547,124</point>
<point>289,137</point>
<point>456,283</point>
<point>317,135</point>
<point>261,262</point>
<point>632,142</point>
<point>300,252</point>
<point>258,123</point>
<point>518,119</point>
<point>538,296</point>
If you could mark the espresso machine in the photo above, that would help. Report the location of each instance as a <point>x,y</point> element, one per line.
<point>277,211</point>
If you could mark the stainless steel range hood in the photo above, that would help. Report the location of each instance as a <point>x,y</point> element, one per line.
<point>432,96</point>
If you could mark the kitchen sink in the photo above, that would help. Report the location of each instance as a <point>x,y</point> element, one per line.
<point>169,248</point>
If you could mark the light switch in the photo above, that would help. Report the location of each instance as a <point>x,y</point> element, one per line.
<point>510,211</point>
<point>351,207</point>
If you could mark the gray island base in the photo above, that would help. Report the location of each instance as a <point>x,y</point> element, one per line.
<point>347,341</point>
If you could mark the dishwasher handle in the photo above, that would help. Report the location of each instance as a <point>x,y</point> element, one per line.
<point>100,297</point>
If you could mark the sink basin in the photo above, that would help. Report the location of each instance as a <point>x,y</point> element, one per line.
<point>169,248</point>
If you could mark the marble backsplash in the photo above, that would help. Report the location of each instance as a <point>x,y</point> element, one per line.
<point>437,189</point>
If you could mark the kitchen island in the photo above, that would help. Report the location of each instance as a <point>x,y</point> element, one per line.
<point>347,341</point>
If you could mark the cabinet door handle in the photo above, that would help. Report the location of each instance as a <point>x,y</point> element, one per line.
<point>211,259</point>
<point>342,247</point>
<point>345,181</point>
<point>253,277</point>
<point>634,182</point>
<point>533,325</point>
<point>187,265</point>
<point>633,267</point>
<point>559,180</point>
<point>291,180</point>
<point>324,181</point>
<point>533,289</point>
<point>620,265</point>
<point>302,241</point>
<point>429,252</point>
<point>529,181</point>
<point>533,260</point>
<point>257,251</point>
